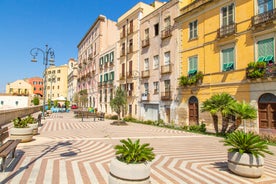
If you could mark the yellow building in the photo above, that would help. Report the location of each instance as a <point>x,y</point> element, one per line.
<point>220,38</point>
<point>56,82</point>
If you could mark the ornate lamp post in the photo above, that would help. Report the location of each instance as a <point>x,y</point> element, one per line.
<point>49,52</point>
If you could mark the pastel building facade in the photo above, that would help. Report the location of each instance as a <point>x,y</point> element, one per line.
<point>220,39</point>
<point>100,36</point>
<point>159,64</point>
<point>37,84</point>
<point>56,82</point>
<point>72,79</point>
<point>129,46</point>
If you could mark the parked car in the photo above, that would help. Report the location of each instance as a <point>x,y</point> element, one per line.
<point>74,106</point>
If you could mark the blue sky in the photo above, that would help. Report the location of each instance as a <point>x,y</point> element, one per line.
<point>25,24</point>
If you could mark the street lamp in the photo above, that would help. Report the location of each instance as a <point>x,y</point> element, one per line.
<point>49,52</point>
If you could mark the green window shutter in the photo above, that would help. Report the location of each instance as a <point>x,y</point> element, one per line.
<point>227,59</point>
<point>106,77</point>
<point>101,60</point>
<point>112,56</point>
<point>193,63</point>
<point>266,47</point>
<point>111,76</point>
<point>101,78</point>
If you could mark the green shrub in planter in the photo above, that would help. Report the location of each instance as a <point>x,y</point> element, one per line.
<point>246,143</point>
<point>20,123</point>
<point>134,152</point>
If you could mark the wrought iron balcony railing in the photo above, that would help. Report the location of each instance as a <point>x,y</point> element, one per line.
<point>145,42</point>
<point>167,95</point>
<point>227,30</point>
<point>265,17</point>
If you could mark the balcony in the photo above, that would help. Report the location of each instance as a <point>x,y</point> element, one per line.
<point>123,34</point>
<point>145,42</point>
<point>167,32</point>
<point>110,83</point>
<point>101,67</point>
<point>167,95</point>
<point>129,93</point>
<point>122,77</point>
<point>100,84</point>
<point>129,75</point>
<point>227,30</point>
<point>145,74</point>
<point>145,97</point>
<point>123,53</point>
<point>266,17</point>
<point>166,69</point>
<point>130,49</point>
<point>258,72</point>
<point>90,57</point>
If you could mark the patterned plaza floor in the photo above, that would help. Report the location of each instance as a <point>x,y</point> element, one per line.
<point>73,151</point>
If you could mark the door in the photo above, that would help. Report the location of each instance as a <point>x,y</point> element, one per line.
<point>193,111</point>
<point>267,111</point>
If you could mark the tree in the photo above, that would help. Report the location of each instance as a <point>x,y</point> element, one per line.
<point>219,103</point>
<point>118,103</point>
<point>36,100</point>
<point>76,98</point>
<point>83,95</point>
<point>242,111</point>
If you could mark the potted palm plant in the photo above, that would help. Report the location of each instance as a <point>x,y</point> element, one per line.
<point>132,163</point>
<point>246,155</point>
<point>21,130</point>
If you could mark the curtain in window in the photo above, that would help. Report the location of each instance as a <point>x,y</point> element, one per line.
<point>193,63</point>
<point>266,47</point>
<point>228,56</point>
<point>264,6</point>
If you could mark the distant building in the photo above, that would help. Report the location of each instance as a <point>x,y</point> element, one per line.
<point>72,79</point>
<point>11,102</point>
<point>56,81</point>
<point>37,84</point>
<point>19,88</point>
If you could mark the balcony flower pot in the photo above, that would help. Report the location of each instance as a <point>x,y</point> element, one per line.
<point>246,155</point>
<point>132,164</point>
<point>21,130</point>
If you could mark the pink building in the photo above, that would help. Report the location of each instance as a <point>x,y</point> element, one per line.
<point>100,36</point>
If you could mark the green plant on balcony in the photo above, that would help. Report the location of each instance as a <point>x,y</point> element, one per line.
<point>190,80</point>
<point>256,70</point>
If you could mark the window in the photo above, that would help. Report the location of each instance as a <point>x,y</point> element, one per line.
<point>58,79</point>
<point>131,26</point>
<point>124,31</point>
<point>264,6</point>
<point>105,77</point>
<point>265,47</point>
<point>130,46</point>
<point>111,56</point>
<point>156,87</point>
<point>155,62</point>
<point>101,61</point>
<point>167,22</point>
<point>167,84</point>
<point>101,78</point>
<point>58,71</point>
<point>227,14</point>
<point>147,33</point>
<point>106,58</point>
<point>146,87</point>
<point>167,58</point>
<point>192,65</point>
<point>193,29</point>
<point>123,49</point>
<point>228,59</point>
<point>111,76</point>
<point>146,64</point>
<point>156,29</point>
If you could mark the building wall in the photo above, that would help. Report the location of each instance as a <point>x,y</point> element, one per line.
<point>56,82</point>
<point>158,46</point>
<point>208,47</point>
<point>72,79</point>
<point>37,84</point>
<point>99,37</point>
<point>19,87</point>
<point>10,102</point>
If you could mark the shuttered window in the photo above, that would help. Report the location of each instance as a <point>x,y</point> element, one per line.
<point>227,59</point>
<point>266,47</point>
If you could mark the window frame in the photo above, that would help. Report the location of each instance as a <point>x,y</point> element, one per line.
<point>193,30</point>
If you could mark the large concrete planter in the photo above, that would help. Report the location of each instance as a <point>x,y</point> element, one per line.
<point>122,173</point>
<point>35,128</point>
<point>25,134</point>
<point>245,164</point>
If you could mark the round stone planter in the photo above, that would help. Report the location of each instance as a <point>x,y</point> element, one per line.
<point>121,172</point>
<point>35,128</point>
<point>25,134</point>
<point>245,164</point>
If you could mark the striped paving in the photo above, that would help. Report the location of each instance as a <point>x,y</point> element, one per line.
<point>70,150</point>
